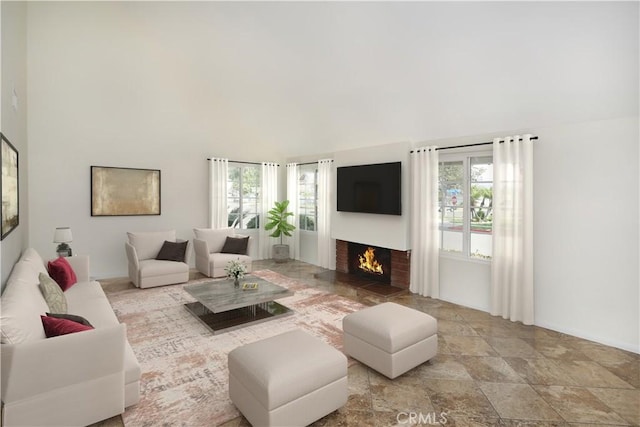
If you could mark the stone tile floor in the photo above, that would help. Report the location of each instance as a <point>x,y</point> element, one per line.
<point>488,372</point>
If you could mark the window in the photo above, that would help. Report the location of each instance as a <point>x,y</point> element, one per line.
<point>308,197</point>
<point>243,196</point>
<point>465,205</point>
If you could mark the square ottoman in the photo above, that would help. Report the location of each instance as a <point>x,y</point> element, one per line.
<point>390,338</point>
<point>291,379</point>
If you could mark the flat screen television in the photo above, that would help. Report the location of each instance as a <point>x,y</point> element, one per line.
<point>374,188</point>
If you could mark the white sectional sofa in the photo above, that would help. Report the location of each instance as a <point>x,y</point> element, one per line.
<point>68,380</point>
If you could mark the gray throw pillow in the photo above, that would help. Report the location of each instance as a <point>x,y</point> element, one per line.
<point>53,294</point>
<point>235,245</point>
<point>172,251</point>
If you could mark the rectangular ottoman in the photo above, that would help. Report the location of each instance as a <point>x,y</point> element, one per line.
<point>390,338</point>
<point>291,379</point>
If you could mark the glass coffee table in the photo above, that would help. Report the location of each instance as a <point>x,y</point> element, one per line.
<point>222,307</point>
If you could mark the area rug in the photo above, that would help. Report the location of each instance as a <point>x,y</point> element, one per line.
<point>184,366</point>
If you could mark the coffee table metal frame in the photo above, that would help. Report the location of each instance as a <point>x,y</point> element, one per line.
<point>222,307</point>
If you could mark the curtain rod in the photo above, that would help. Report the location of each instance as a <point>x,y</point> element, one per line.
<point>533,138</point>
<point>246,163</point>
<point>310,163</point>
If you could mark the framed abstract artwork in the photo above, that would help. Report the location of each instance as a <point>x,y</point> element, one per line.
<point>124,191</point>
<point>10,187</point>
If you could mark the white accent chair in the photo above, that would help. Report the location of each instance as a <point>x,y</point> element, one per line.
<point>145,271</point>
<point>207,245</point>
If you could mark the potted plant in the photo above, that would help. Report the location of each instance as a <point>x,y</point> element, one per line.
<point>277,221</point>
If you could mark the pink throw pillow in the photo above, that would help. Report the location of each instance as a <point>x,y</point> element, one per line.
<point>60,270</point>
<point>54,327</point>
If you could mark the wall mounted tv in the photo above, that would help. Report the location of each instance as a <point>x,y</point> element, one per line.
<point>374,188</point>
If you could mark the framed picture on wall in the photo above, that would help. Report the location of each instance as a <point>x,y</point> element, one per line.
<point>10,187</point>
<point>124,191</point>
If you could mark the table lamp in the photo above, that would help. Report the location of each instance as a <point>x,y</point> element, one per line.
<point>63,236</point>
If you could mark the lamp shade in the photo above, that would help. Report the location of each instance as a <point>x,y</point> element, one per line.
<point>62,235</point>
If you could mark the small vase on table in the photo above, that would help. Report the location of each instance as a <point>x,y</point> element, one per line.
<point>235,270</point>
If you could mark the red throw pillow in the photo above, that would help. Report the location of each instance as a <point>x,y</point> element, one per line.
<point>54,326</point>
<point>60,270</point>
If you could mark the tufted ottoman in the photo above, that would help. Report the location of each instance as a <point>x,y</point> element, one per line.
<point>291,379</point>
<point>390,338</point>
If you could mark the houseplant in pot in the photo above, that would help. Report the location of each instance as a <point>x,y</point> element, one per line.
<point>277,221</point>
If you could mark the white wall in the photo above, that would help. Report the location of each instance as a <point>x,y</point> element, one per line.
<point>109,86</point>
<point>465,282</point>
<point>167,84</point>
<point>14,121</point>
<point>309,247</point>
<point>586,231</point>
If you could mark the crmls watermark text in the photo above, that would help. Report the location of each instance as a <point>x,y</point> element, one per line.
<point>430,418</point>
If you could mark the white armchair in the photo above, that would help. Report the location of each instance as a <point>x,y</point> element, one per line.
<point>208,246</point>
<point>145,270</point>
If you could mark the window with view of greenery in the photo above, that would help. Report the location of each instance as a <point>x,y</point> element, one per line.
<point>243,196</point>
<point>308,197</point>
<point>466,205</point>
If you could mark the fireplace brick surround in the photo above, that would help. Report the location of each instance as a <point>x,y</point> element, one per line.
<point>400,264</point>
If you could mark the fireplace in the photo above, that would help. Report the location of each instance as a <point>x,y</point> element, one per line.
<point>395,264</point>
<point>371,262</point>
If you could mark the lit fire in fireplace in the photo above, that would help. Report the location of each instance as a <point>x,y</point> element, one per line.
<point>369,263</point>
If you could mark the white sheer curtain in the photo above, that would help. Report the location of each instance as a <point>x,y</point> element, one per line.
<point>326,245</point>
<point>218,175</point>
<point>512,260</point>
<point>292,196</point>
<point>425,277</point>
<point>269,191</point>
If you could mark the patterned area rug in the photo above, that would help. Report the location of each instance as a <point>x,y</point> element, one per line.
<point>184,366</point>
